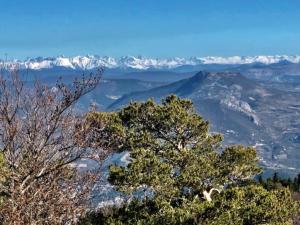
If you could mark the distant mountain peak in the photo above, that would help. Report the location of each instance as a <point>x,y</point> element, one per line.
<point>203,75</point>
<point>141,63</point>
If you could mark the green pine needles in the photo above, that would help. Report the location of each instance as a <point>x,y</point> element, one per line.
<point>179,173</point>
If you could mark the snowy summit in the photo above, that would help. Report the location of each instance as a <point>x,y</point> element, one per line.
<point>93,61</point>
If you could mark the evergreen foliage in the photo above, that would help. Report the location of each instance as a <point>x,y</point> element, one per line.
<point>277,182</point>
<point>179,173</point>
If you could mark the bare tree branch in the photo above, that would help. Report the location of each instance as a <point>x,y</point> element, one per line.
<point>41,136</point>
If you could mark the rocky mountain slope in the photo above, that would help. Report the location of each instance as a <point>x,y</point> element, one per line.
<point>244,110</point>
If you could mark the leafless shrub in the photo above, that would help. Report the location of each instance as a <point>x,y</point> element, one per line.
<point>41,136</point>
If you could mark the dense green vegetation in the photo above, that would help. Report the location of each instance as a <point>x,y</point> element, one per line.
<point>179,173</point>
<point>277,182</point>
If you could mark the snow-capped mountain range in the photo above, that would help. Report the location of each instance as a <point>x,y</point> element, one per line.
<point>92,61</point>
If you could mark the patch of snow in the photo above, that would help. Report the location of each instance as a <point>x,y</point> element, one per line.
<point>113,97</point>
<point>232,102</point>
<point>258,145</point>
<point>230,131</point>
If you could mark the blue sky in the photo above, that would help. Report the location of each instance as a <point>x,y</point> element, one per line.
<point>152,28</point>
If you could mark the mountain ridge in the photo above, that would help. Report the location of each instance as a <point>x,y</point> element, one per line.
<point>246,111</point>
<point>142,63</point>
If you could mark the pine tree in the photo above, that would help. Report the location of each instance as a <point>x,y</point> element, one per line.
<point>179,173</point>
<point>275,177</point>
